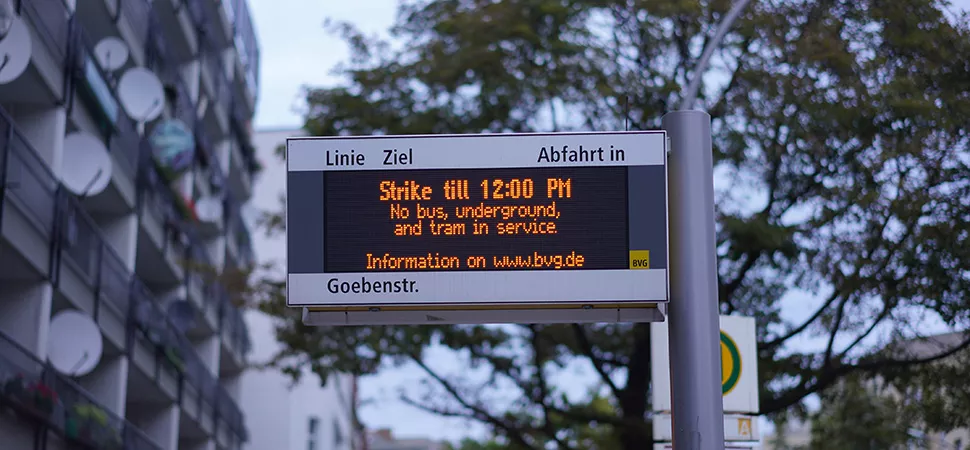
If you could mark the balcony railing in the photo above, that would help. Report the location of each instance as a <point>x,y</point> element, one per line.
<point>172,350</point>
<point>230,318</point>
<point>241,137</point>
<point>53,20</point>
<point>203,144</point>
<point>82,245</point>
<point>199,277</point>
<point>156,52</point>
<point>139,13</point>
<point>229,413</point>
<point>199,387</point>
<point>104,270</point>
<point>184,106</point>
<point>96,87</point>
<point>26,179</point>
<point>238,231</point>
<point>247,44</point>
<point>158,201</point>
<point>212,58</point>
<point>150,326</point>
<point>37,391</point>
<point>198,14</point>
<point>232,323</point>
<point>127,143</point>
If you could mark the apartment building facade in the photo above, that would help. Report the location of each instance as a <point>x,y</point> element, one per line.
<point>132,252</point>
<point>281,414</point>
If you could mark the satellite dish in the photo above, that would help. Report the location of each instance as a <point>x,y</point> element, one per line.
<point>74,343</point>
<point>209,208</point>
<point>141,94</point>
<point>182,315</point>
<point>15,49</point>
<point>85,166</point>
<point>112,53</point>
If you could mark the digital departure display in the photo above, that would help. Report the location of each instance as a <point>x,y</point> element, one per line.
<point>477,219</point>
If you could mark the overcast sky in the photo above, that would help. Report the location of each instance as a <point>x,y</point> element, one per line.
<point>296,51</point>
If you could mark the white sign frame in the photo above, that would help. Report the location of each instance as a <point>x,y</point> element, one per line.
<point>490,290</point>
<point>743,398</point>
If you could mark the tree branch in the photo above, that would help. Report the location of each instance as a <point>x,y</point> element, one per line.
<point>480,413</point>
<point>718,109</point>
<point>827,378</point>
<point>590,416</point>
<point>597,363</point>
<point>437,411</point>
<point>728,289</point>
<point>839,315</point>
<point>886,310</point>
<point>770,345</point>
<point>633,396</point>
<point>538,360</point>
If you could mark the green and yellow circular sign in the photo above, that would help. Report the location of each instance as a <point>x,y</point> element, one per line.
<point>730,364</point>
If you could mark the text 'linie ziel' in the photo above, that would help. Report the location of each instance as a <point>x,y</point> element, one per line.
<point>392,157</point>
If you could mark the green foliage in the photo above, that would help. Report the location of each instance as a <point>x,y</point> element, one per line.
<point>858,415</point>
<point>939,395</point>
<point>841,134</point>
<point>469,444</point>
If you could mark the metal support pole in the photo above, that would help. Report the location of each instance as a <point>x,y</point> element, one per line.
<point>695,358</point>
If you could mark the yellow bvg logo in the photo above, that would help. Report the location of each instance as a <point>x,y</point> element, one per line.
<point>639,259</point>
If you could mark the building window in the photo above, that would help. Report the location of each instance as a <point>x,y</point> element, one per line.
<point>338,437</point>
<point>313,432</point>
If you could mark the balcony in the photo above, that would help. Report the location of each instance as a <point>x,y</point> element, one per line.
<point>38,393</point>
<point>242,164</point>
<point>179,25</point>
<point>153,350</point>
<point>239,244</point>
<point>97,94</point>
<point>46,79</point>
<point>210,182</point>
<point>140,16</point>
<point>247,47</point>
<point>160,238</point>
<point>217,87</point>
<point>231,430</point>
<point>157,56</point>
<point>200,286</point>
<point>185,108</point>
<point>27,207</point>
<point>91,276</point>
<point>221,16</point>
<point>235,336</point>
<point>192,383</point>
<point>127,19</point>
<point>203,144</point>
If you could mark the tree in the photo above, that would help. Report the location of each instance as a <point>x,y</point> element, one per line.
<point>841,135</point>
<point>857,414</point>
